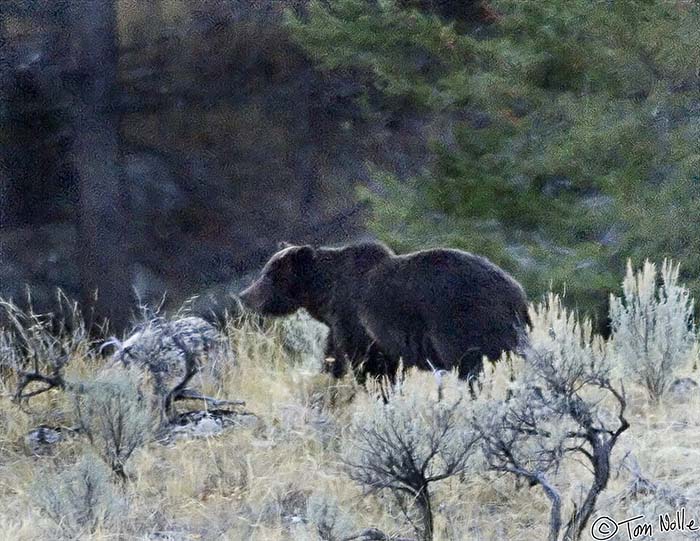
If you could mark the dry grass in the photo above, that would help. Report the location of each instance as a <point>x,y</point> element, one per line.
<point>262,481</point>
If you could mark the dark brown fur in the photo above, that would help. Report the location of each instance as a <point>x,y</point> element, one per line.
<point>435,309</point>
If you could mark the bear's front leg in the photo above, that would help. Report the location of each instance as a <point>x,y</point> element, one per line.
<point>334,362</point>
<point>376,363</point>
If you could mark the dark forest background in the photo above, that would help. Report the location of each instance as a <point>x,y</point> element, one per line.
<point>168,145</point>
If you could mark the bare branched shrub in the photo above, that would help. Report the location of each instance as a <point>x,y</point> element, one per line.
<point>653,332</point>
<point>114,415</point>
<point>561,405</point>
<point>79,500</point>
<point>36,347</point>
<point>161,344</point>
<point>421,435</point>
<point>173,351</point>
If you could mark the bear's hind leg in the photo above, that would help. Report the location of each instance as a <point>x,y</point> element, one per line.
<point>446,353</point>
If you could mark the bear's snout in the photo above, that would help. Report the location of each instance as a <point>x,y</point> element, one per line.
<point>267,298</point>
<point>258,296</point>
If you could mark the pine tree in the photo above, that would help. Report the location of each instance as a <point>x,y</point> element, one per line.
<point>576,139</point>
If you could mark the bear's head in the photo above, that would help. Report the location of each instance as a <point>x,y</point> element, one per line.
<point>284,282</point>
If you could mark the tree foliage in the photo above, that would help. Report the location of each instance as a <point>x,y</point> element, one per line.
<point>574,130</point>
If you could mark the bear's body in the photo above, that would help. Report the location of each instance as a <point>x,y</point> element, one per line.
<point>434,309</point>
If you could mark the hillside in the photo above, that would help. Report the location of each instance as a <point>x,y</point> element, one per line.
<point>279,466</point>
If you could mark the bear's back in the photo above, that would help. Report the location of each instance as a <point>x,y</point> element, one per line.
<point>451,260</point>
<point>446,279</point>
<point>451,266</point>
<point>352,261</point>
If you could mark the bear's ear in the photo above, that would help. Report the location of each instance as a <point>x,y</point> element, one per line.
<point>283,244</point>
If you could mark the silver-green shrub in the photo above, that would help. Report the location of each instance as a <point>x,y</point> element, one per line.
<point>304,337</point>
<point>330,521</point>
<point>115,416</point>
<point>79,500</point>
<point>653,335</point>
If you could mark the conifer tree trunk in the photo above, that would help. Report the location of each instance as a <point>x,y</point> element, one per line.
<point>96,160</point>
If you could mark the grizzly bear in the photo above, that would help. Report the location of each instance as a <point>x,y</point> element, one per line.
<point>434,309</point>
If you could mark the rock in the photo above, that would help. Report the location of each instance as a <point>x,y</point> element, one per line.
<point>42,440</point>
<point>206,427</point>
<point>206,424</point>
